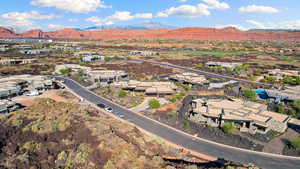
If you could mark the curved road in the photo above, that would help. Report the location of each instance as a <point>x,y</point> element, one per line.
<point>266,161</point>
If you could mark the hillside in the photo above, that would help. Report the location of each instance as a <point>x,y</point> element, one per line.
<point>51,134</point>
<point>224,34</point>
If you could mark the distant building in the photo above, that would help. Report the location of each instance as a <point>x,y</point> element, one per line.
<point>221,85</point>
<point>85,53</point>
<point>15,85</point>
<point>10,62</point>
<point>144,53</point>
<point>230,65</point>
<point>24,47</point>
<point>150,88</point>
<point>279,74</point>
<point>287,94</point>
<point>93,58</point>
<point>4,48</point>
<point>7,106</point>
<point>190,78</point>
<point>36,51</point>
<point>62,47</point>
<point>107,77</point>
<point>72,67</point>
<point>247,116</point>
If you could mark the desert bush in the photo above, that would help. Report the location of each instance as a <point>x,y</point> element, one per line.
<point>296,105</point>
<point>154,104</point>
<point>250,94</point>
<point>296,143</point>
<point>186,125</point>
<point>122,93</point>
<point>229,128</point>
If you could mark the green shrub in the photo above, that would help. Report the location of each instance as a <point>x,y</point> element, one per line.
<point>122,93</point>
<point>107,59</point>
<point>186,125</point>
<point>154,104</point>
<point>250,94</point>
<point>180,95</point>
<point>173,99</point>
<point>296,143</point>
<point>281,109</point>
<point>270,79</point>
<point>81,157</point>
<point>229,128</point>
<point>187,87</point>
<point>65,71</point>
<point>296,105</point>
<point>292,113</point>
<point>242,67</point>
<point>290,80</point>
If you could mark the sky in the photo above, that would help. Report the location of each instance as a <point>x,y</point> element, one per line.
<point>58,14</point>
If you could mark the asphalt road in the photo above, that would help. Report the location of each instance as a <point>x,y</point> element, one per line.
<point>209,74</point>
<point>265,161</point>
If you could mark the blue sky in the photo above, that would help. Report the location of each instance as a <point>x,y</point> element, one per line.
<point>57,14</point>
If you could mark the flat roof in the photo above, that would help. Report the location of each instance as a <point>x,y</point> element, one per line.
<point>238,110</point>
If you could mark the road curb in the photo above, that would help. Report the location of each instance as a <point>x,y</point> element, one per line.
<point>201,139</point>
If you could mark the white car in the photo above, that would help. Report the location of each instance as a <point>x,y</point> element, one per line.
<point>33,93</point>
<point>109,109</point>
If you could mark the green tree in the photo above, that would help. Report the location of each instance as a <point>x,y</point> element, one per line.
<point>297,80</point>
<point>107,58</point>
<point>122,93</point>
<point>154,104</point>
<point>250,94</point>
<point>296,105</point>
<point>292,113</point>
<point>296,143</point>
<point>242,67</point>
<point>65,71</point>
<point>229,128</point>
<point>173,99</point>
<point>281,109</point>
<point>290,80</point>
<point>187,87</point>
<point>270,79</point>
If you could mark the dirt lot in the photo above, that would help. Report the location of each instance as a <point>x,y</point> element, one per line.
<point>50,134</point>
<point>57,95</point>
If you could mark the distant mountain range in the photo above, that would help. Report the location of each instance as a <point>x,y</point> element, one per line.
<point>276,30</point>
<point>156,31</point>
<point>143,26</point>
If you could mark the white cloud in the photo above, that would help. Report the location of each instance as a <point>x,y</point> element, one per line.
<point>258,9</point>
<point>292,24</point>
<point>194,11</point>
<point>215,4</point>
<point>187,11</point>
<point>76,6</point>
<point>232,25</point>
<point>118,16</point>
<point>182,1</point>
<point>24,19</point>
<point>55,26</point>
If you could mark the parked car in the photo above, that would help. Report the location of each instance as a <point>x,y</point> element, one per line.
<point>109,109</point>
<point>121,115</point>
<point>101,105</point>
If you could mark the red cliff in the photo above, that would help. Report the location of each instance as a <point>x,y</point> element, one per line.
<point>225,34</point>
